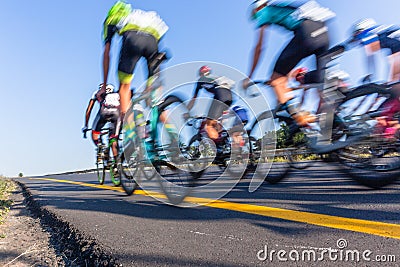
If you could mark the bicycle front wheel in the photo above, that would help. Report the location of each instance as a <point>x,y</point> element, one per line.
<point>264,135</point>
<point>129,167</point>
<point>175,182</point>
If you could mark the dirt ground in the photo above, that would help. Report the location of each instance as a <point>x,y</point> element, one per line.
<point>24,242</point>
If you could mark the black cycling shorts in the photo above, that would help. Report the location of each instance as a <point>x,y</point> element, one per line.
<point>106,115</point>
<point>310,38</point>
<point>134,46</point>
<point>222,101</point>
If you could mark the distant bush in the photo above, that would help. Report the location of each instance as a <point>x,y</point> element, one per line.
<point>20,174</point>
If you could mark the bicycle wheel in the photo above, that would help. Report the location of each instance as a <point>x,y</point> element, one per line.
<point>374,163</point>
<point>100,164</point>
<point>301,157</point>
<point>201,152</point>
<point>148,170</point>
<point>237,163</point>
<point>175,182</point>
<point>129,167</point>
<point>270,165</point>
<point>374,160</point>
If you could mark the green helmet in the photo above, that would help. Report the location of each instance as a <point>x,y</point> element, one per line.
<point>119,10</point>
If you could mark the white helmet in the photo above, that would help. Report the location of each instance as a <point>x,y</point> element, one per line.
<point>109,88</point>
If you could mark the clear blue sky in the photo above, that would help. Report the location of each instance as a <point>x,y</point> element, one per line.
<point>50,58</point>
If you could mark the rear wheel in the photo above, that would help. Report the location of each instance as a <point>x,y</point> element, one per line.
<point>374,160</point>
<point>100,164</point>
<point>374,164</point>
<point>266,162</point>
<point>128,169</point>
<point>175,182</point>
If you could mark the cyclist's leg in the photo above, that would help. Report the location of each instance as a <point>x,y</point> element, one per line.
<point>132,49</point>
<point>304,43</point>
<point>95,129</point>
<point>114,117</point>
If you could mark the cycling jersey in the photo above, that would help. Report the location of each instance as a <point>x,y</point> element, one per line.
<point>138,20</point>
<point>141,31</point>
<point>290,16</point>
<point>110,100</point>
<point>108,112</point>
<point>388,37</point>
<point>307,22</point>
<point>220,88</point>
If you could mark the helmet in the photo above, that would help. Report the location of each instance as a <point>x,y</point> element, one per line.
<point>204,70</point>
<point>241,112</point>
<point>109,88</point>
<point>100,86</point>
<point>119,10</point>
<point>256,6</point>
<point>361,28</point>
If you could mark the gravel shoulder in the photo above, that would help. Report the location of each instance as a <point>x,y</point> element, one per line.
<point>25,242</point>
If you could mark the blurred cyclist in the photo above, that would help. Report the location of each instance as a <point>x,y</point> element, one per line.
<point>108,112</point>
<point>375,38</point>
<point>141,32</point>
<point>308,23</point>
<point>220,87</point>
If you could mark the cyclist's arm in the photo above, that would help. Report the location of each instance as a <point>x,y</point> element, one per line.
<point>108,33</point>
<point>88,111</point>
<point>106,61</point>
<point>257,50</point>
<point>370,60</point>
<point>196,92</point>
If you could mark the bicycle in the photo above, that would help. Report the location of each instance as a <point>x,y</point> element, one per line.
<point>103,160</point>
<point>342,132</point>
<point>161,154</point>
<point>224,152</point>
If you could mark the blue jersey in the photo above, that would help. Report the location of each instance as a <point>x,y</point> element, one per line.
<point>388,37</point>
<point>291,15</point>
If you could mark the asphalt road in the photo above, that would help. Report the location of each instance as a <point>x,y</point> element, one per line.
<point>313,217</point>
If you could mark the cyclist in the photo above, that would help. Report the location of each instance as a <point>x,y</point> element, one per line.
<point>375,38</point>
<point>141,31</point>
<point>220,87</point>
<point>237,130</point>
<point>108,112</point>
<point>308,23</point>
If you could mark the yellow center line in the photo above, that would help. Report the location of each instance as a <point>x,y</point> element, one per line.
<point>357,225</point>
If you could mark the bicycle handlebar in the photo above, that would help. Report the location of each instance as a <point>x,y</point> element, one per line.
<point>85,132</point>
<point>104,131</point>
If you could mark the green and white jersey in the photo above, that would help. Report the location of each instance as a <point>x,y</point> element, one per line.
<point>137,20</point>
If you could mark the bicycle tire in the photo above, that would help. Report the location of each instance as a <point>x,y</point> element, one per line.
<point>201,153</point>
<point>237,164</point>
<point>361,161</point>
<point>267,164</point>
<point>302,158</point>
<point>129,169</point>
<point>370,164</point>
<point>100,165</point>
<point>176,183</point>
